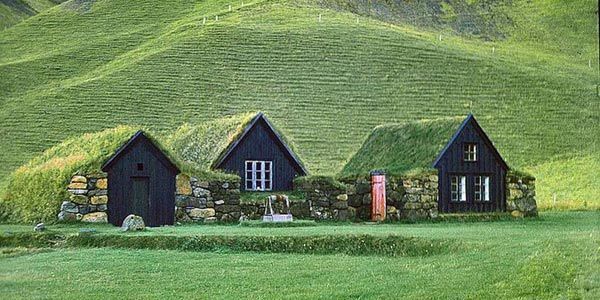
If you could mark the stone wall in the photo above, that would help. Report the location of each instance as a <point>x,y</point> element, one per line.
<point>87,199</point>
<point>207,201</point>
<point>407,198</point>
<point>520,196</point>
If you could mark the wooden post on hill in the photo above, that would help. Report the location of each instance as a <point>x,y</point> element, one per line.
<point>493,49</point>
<point>319,18</point>
<point>229,7</point>
<point>440,38</point>
<point>216,18</point>
<point>203,20</point>
<point>554,200</point>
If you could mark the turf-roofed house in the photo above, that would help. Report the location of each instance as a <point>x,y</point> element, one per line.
<point>471,173</point>
<point>142,182</point>
<point>261,157</point>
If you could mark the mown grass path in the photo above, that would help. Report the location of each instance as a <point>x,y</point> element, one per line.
<point>554,256</point>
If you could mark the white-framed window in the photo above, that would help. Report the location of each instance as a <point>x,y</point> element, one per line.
<point>458,188</point>
<point>259,175</point>
<point>482,188</point>
<point>470,152</point>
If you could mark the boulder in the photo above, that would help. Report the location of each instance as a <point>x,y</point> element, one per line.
<point>516,214</point>
<point>78,179</point>
<point>340,205</point>
<point>201,213</point>
<point>64,216</point>
<point>96,217</point>
<point>227,208</point>
<point>78,191</point>
<point>79,199</point>
<point>133,223</point>
<point>39,227</point>
<point>102,184</point>
<point>183,185</point>
<point>219,202</point>
<point>99,200</point>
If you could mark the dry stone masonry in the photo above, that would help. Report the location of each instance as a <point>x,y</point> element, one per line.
<point>88,199</point>
<point>520,198</point>
<point>408,198</point>
<point>206,201</point>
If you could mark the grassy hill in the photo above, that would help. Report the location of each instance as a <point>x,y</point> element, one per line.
<point>15,11</point>
<point>84,66</point>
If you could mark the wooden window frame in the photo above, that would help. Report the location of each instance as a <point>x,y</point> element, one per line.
<point>458,188</point>
<point>264,168</point>
<point>481,187</point>
<point>470,152</point>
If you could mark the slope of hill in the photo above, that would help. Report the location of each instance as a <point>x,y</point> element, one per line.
<point>324,75</point>
<point>15,11</point>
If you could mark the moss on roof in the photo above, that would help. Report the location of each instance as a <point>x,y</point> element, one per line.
<point>401,149</point>
<point>201,144</point>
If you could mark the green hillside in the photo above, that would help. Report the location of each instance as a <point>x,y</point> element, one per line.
<point>15,11</point>
<point>84,66</point>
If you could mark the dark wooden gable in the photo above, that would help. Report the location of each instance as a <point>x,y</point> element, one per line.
<point>469,131</point>
<point>260,141</point>
<point>141,181</point>
<point>139,138</point>
<point>450,162</point>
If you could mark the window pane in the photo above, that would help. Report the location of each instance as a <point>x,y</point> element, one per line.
<point>463,188</point>
<point>486,185</point>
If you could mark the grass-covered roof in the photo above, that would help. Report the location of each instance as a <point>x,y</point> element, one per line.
<point>403,148</point>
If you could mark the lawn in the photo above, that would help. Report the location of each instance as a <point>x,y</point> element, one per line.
<point>550,257</point>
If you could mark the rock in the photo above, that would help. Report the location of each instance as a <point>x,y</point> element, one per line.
<point>201,193</point>
<point>351,213</point>
<point>516,214</point>
<point>340,214</point>
<point>227,218</point>
<point>99,200</point>
<point>66,216</point>
<point>102,184</point>
<point>77,185</point>
<point>203,184</point>
<point>102,207</point>
<point>183,185</point>
<point>83,209</point>
<point>391,210</point>
<point>201,213</point>
<point>78,179</point>
<point>227,208</point>
<point>69,207</point>
<point>225,185</point>
<point>243,218</point>
<point>433,178</point>
<point>210,220</point>
<point>342,197</point>
<point>79,199</point>
<point>355,200</point>
<point>39,227</point>
<point>219,202</point>
<point>433,213</point>
<point>133,223</point>
<point>340,205</point>
<point>78,191</point>
<point>97,193</point>
<point>366,199</point>
<point>97,217</point>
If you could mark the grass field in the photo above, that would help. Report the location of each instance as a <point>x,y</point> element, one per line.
<point>555,256</point>
<point>84,66</point>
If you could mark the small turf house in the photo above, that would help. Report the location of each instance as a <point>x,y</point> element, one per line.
<point>261,157</point>
<point>141,181</point>
<point>471,172</point>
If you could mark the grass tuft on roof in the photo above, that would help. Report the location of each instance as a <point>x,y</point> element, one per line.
<point>402,149</point>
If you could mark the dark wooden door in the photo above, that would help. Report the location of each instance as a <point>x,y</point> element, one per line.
<point>140,192</point>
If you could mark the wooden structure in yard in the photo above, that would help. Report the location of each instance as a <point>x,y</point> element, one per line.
<point>471,172</point>
<point>261,157</point>
<point>141,181</point>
